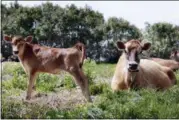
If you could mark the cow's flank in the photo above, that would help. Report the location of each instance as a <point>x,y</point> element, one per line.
<point>35,58</point>
<point>174,65</point>
<point>133,72</point>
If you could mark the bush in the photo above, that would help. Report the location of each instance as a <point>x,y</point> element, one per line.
<point>18,77</point>
<point>89,71</point>
<point>67,82</point>
<point>16,109</point>
<point>46,82</point>
<point>12,68</point>
<point>146,103</point>
<point>96,89</point>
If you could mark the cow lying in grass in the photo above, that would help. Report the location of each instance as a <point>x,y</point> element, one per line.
<point>35,58</point>
<point>131,72</point>
<point>174,65</point>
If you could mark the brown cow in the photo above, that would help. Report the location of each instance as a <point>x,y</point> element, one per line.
<point>35,58</point>
<point>175,55</point>
<point>174,65</point>
<point>132,72</point>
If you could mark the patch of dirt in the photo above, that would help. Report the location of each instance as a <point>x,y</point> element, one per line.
<point>62,99</point>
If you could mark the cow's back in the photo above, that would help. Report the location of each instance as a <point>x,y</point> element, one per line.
<point>174,65</point>
<point>56,59</point>
<point>151,74</point>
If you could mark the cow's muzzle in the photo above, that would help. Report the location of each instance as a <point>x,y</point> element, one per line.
<point>15,52</point>
<point>133,67</point>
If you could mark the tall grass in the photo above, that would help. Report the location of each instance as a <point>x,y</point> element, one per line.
<point>143,103</point>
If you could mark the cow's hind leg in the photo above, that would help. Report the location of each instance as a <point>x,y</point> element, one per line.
<point>82,81</point>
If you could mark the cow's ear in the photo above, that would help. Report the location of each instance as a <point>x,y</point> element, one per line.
<point>29,39</point>
<point>120,45</point>
<point>7,38</point>
<point>146,46</point>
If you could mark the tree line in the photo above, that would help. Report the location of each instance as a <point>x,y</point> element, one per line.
<point>54,26</point>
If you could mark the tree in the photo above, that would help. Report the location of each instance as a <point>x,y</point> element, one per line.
<point>54,26</point>
<point>117,29</point>
<point>164,37</point>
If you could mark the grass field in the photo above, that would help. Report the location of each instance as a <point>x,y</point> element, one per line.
<point>60,97</point>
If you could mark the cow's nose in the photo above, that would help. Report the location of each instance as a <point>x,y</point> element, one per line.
<point>133,65</point>
<point>16,52</point>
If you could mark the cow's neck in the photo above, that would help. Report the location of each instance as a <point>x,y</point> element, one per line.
<point>129,76</point>
<point>22,52</point>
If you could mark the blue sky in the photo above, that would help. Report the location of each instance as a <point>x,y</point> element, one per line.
<point>136,12</point>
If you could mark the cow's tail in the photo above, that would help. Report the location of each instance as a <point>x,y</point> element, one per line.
<point>81,47</point>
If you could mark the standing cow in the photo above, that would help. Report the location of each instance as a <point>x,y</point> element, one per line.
<point>131,72</point>
<point>35,58</point>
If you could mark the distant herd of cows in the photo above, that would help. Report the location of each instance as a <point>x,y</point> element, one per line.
<point>131,70</point>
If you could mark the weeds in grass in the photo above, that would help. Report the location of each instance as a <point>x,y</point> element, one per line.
<point>143,103</point>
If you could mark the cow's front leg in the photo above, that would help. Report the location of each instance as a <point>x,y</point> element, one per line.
<point>32,76</point>
<point>34,84</point>
<point>34,87</point>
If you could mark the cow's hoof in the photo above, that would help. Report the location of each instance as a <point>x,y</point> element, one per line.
<point>28,98</point>
<point>40,95</point>
<point>26,101</point>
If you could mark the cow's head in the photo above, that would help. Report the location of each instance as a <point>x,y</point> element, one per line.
<point>17,42</point>
<point>132,49</point>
